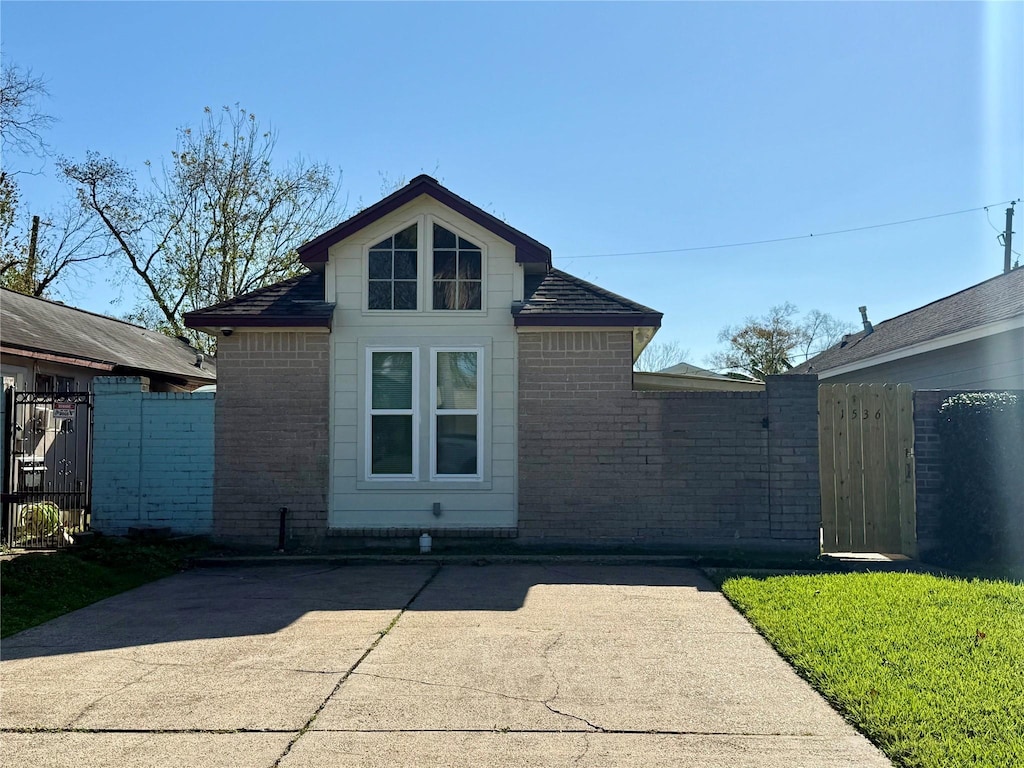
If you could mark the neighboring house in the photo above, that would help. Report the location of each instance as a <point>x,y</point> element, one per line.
<point>49,356</point>
<point>684,377</point>
<point>50,347</point>
<point>973,339</point>
<point>380,390</point>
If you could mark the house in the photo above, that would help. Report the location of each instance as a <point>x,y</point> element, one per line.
<point>433,372</point>
<point>684,377</point>
<point>49,356</point>
<point>379,389</point>
<point>973,339</point>
<point>46,346</point>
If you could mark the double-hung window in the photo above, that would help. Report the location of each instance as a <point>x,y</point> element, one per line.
<point>456,406</point>
<point>392,430</point>
<point>455,437</point>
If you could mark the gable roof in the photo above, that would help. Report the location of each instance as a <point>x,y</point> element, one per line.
<point>297,302</point>
<point>976,311</point>
<point>528,251</point>
<point>563,299</point>
<point>48,330</point>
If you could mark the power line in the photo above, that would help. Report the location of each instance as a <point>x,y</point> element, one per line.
<point>791,238</point>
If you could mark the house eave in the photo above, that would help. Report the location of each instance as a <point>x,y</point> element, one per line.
<point>527,250</point>
<point>587,320</point>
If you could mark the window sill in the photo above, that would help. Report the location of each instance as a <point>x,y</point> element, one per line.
<point>423,485</point>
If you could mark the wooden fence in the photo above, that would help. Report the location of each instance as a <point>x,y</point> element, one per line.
<point>866,434</point>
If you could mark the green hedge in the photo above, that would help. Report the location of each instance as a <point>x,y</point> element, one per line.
<point>983,454</point>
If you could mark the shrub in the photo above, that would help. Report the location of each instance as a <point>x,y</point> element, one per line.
<point>983,454</point>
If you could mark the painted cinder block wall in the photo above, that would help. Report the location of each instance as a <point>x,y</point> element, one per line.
<point>272,437</point>
<point>153,457</point>
<point>601,465</point>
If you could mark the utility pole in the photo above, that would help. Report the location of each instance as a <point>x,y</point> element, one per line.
<point>1008,238</point>
<point>30,266</point>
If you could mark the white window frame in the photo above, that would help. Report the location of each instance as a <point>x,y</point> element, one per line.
<point>424,268</point>
<point>478,412</point>
<point>421,241</point>
<point>414,412</point>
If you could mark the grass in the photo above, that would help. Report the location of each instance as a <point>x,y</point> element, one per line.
<point>930,669</point>
<point>37,587</point>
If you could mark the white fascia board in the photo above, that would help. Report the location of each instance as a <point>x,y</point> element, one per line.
<point>952,339</point>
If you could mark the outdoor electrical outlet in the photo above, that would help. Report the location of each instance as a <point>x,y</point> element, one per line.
<point>437,509</point>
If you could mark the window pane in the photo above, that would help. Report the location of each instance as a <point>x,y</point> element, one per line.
<point>469,265</point>
<point>444,265</point>
<point>444,294</point>
<point>405,265</point>
<point>456,445</point>
<point>391,449</point>
<point>406,238</point>
<point>391,380</point>
<point>469,294</point>
<point>405,294</point>
<point>380,294</point>
<point>380,265</point>
<point>456,380</point>
<point>384,245</point>
<point>443,238</point>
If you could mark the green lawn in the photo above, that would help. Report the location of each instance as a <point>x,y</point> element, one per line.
<point>37,587</point>
<point>930,669</point>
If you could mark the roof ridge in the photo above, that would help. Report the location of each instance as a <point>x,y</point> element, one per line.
<point>946,298</point>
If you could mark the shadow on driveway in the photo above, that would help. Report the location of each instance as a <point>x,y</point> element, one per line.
<point>264,600</point>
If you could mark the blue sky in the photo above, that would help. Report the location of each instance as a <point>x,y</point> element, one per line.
<point>599,128</point>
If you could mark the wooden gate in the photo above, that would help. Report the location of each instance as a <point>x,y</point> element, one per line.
<point>866,434</point>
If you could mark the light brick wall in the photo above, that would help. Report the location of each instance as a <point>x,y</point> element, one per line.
<point>271,427</point>
<point>152,457</point>
<point>600,464</point>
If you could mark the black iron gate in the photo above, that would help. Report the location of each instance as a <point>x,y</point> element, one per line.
<point>47,467</point>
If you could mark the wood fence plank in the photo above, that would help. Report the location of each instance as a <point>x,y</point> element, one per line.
<point>873,431</point>
<point>908,491</point>
<point>856,400</point>
<point>827,467</point>
<point>893,465</point>
<point>844,513</point>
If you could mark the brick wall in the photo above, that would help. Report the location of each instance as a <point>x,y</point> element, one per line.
<point>602,465</point>
<point>928,469</point>
<point>271,427</point>
<point>152,457</point>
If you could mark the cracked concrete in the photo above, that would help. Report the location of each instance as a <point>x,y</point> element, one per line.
<point>408,665</point>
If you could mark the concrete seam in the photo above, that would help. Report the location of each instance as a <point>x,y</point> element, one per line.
<point>373,646</point>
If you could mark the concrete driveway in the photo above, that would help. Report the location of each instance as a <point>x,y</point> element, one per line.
<point>389,665</point>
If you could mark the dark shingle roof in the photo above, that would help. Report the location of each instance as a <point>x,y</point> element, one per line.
<point>562,299</point>
<point>528,250</point>
<point>1000,298</point>
<point>46,327</point>
<point>298,302</point>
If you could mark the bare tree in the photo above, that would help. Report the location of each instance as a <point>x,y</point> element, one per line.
<point>659,355</point>
<point>64,242</point>
<point>22,122</point>
<point>821,331</point>
<point>770,344</point>
<point>217,221</point>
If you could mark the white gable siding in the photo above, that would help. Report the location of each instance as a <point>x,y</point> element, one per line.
<point>357,502</point>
